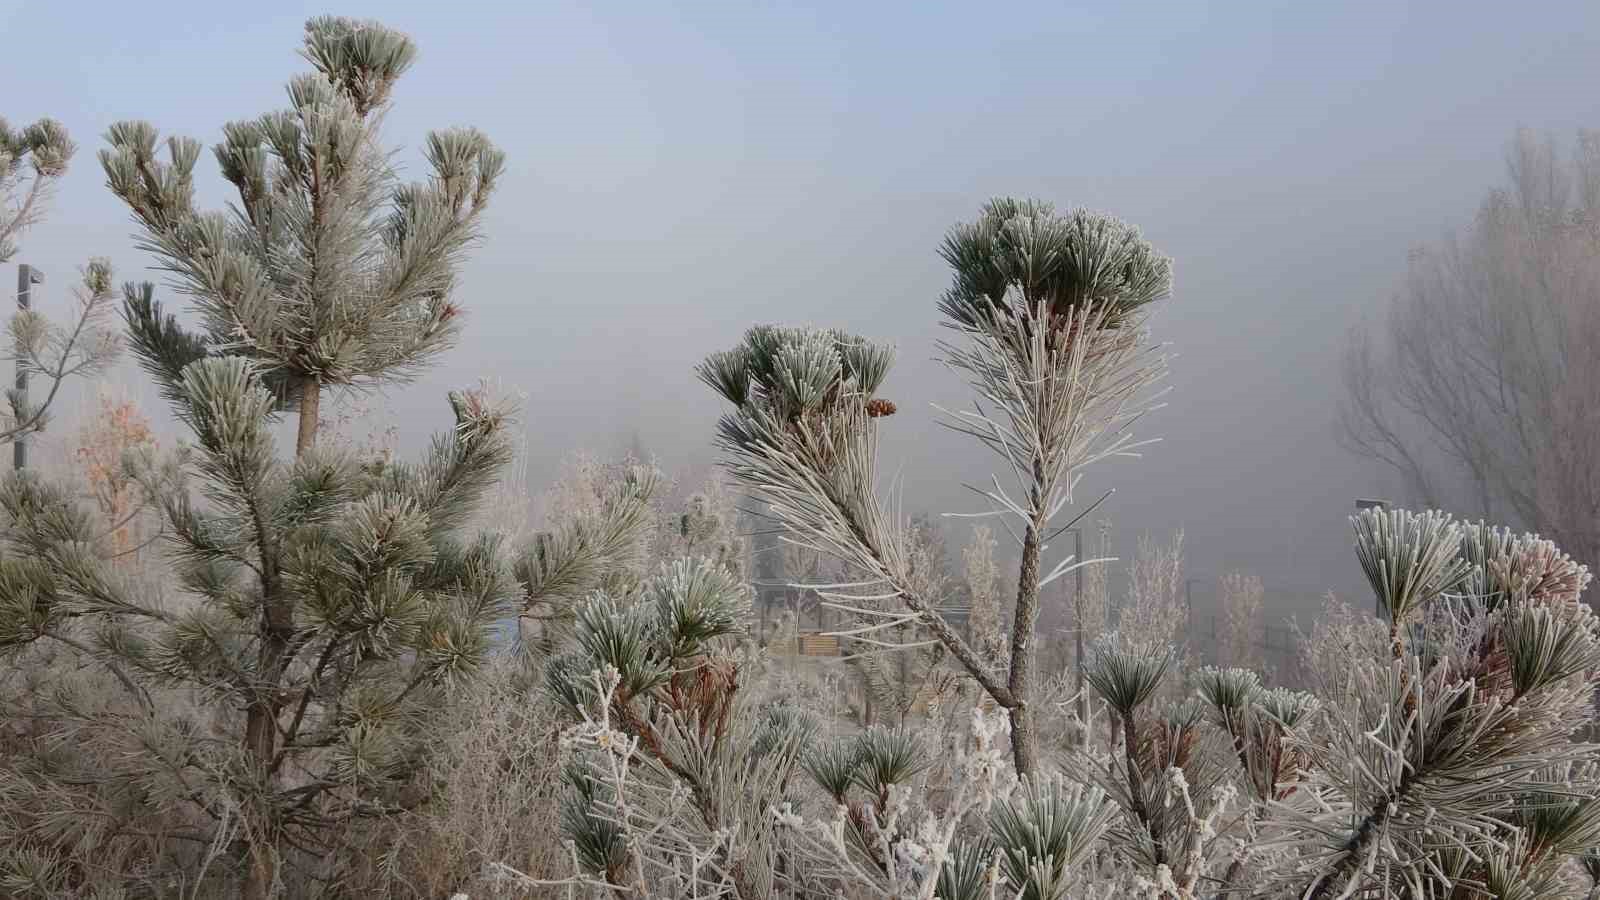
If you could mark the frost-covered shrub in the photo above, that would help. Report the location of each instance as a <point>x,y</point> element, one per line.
<point>1445,764</point>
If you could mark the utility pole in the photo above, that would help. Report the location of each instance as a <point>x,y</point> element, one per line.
<point>1188,605</point>
<point>1077,615</point>
<point>27,277</point>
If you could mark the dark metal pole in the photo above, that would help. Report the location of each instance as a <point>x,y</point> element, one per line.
<point>1188,604</point>
<point>27,277</point>
<point>1077,550</point>
<point>1077,615</point>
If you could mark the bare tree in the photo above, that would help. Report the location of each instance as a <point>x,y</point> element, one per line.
<point>1241,606</point>
<point>1155,619</point>
<point>1483,389</point>
<point>982,575</point>
<point>117,428</point>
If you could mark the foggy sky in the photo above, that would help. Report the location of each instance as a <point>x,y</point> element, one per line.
<point>678,173</point>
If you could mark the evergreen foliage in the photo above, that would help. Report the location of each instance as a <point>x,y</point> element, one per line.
<point>328,271</point>
<point>676,768</point>
<point>322,611</point>
<point>598,549</point>
<point>319,607</point>
<point>32,161</point>
<point>285,692</point>
<point>1428,771</point>
<point>36,156</point>
<point>1048,310</point>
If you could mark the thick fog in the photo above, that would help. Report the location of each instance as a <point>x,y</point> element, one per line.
<point>679,172</point>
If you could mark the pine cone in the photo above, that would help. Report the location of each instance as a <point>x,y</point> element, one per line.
<point>878,406</point>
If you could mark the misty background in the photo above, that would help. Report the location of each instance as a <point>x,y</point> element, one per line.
<point>678,173</point>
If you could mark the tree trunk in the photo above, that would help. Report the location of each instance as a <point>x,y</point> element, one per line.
<point>261,870</point>
<point>1344,873</point>
<point>310,409</point>
<point>261,715</point>
<point>260,846</point>
<point>261,745</point>
<point>1026,614</point>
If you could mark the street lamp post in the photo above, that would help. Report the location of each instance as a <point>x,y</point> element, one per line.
<point>27,277</point>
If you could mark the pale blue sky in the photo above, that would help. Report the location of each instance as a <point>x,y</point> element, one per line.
<point>678,172</point>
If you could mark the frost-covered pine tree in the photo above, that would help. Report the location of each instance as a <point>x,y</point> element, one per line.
<point>278,678</point>
<point>596,537</point>
<point>1048,311</point>
<point>674,768</point>
<point>1459,767</point>
<point>1447,763</point>
<point>1444,756</point>
<point>684,785</point>
<point>328,271</point>
<point>32,161</point>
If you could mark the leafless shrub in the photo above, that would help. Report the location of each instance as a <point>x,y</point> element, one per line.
<point>1241,610</point>
<point>494,786</point>
<point>1155,616</point>
<point>982,576</point>
<point>1480,388</point>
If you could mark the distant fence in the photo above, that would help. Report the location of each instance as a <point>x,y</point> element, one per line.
<point>1274,646</point>
<point>1274,642</point>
